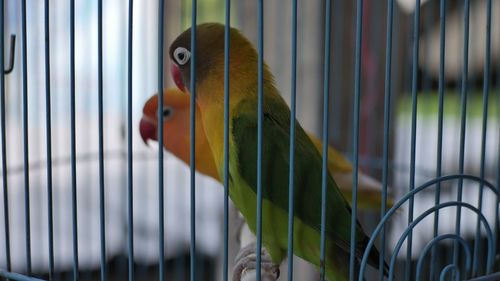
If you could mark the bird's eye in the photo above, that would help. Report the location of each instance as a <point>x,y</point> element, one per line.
<point>181,55</point>
<point>168,112</point>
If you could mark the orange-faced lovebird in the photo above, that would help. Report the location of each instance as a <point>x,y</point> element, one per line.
<point>177,141</point>
<point>243,144</point>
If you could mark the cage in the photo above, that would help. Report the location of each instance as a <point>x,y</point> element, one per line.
<point>406,90</point>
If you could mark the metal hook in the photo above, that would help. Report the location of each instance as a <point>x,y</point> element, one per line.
<point>12,54</point>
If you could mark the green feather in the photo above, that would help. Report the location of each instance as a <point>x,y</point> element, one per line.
<point>307,178</point>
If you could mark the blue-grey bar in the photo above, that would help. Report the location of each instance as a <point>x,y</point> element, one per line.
<point>496,223</point>
<point>12,53</point>
<point>227,30</point>
<point>4,144</point>
<point>130,167</point>
<point>291,187</point>
<point>192,155</point>
<point>486,92</point>
<point>25,139</point>
<point>260,104</point>
<point>355,145</point>
<point>73,141</point>
<point>17,277</point>
<point>416,37</point>
<point>491,277</point>
<point>161,244</point>
<point>463,114</point>
<point>437,198</point>
<point>102,200</point>
<point>387,124</point>
<point>326,104</point>
<point>50,216</point>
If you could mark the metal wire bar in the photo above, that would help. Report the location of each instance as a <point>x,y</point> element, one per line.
<point>161,207</point>
<point>260,104</point>
<point>48,125</point>
<point>192,156</point>
<point>432,210</point>
<point>486,91</point>
<point>17,276</point>
<point>437,197</point>
<point>227,29</point>
<point>102,216</point>
<point>25,140</point>
<point>410,195</point>
<point>431,244</point>
<point>498,167</point>
<point>451,267</point>
<point>130,167</point>
<point>339,30</point>
<point>491,277</point>
<point>416,37</point>
<point>12,57</point>
<point>387,118</point>
<point>4,144</point>
<point>463,114</point>
<point>427,26</point>
<point>291,187</point>
<point>495,245</point>
<point>355,144</point>
<point>73,141</point>
<point>326,103</point>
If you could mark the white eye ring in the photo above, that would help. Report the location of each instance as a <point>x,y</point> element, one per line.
<point>182,55</point>
<point>168,112</point>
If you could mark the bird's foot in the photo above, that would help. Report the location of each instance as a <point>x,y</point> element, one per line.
<point>246,264</point>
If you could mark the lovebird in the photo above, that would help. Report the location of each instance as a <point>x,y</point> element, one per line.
<point>243,119</point>
<point>177,141</point>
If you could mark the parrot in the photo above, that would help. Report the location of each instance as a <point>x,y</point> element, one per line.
<point>243,144</point>
<point>176,124</point>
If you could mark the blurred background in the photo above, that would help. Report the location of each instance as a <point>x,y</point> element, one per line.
<point>209,194</point>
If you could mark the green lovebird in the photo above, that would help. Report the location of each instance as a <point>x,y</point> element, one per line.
<point>276,144</point>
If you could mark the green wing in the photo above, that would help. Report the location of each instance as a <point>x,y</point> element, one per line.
<point>275,171</point>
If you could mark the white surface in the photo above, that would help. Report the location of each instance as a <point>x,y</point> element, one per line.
<point>177,203</point>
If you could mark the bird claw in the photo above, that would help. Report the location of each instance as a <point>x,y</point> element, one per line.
<point>246,261</point>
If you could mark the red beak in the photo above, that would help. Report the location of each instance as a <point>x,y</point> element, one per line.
<point>147,130</point>
<point>176,75</point>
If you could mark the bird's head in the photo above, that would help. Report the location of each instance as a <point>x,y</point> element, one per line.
<point>209,62</point>
<point>176,129</point>
<point>175,119</point>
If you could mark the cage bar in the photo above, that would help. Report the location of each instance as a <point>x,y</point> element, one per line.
<point>161,243</point>
<point>326,104</point>
<point>260,103</point>
<point>437,198</point>
<point>25,140</point>
<point>486,92</point>
<point>48,125</point>
<point>355,143</point>
<point>192,124</point>
<point>73,142</point>
<point>416,40</point>
<point>227,45</point>
<point>463,114</point>
<point>387,116</point>
<point>130,166</point>
<point>102,215</point>
<point>4,142</point>
<point>293,108</point>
